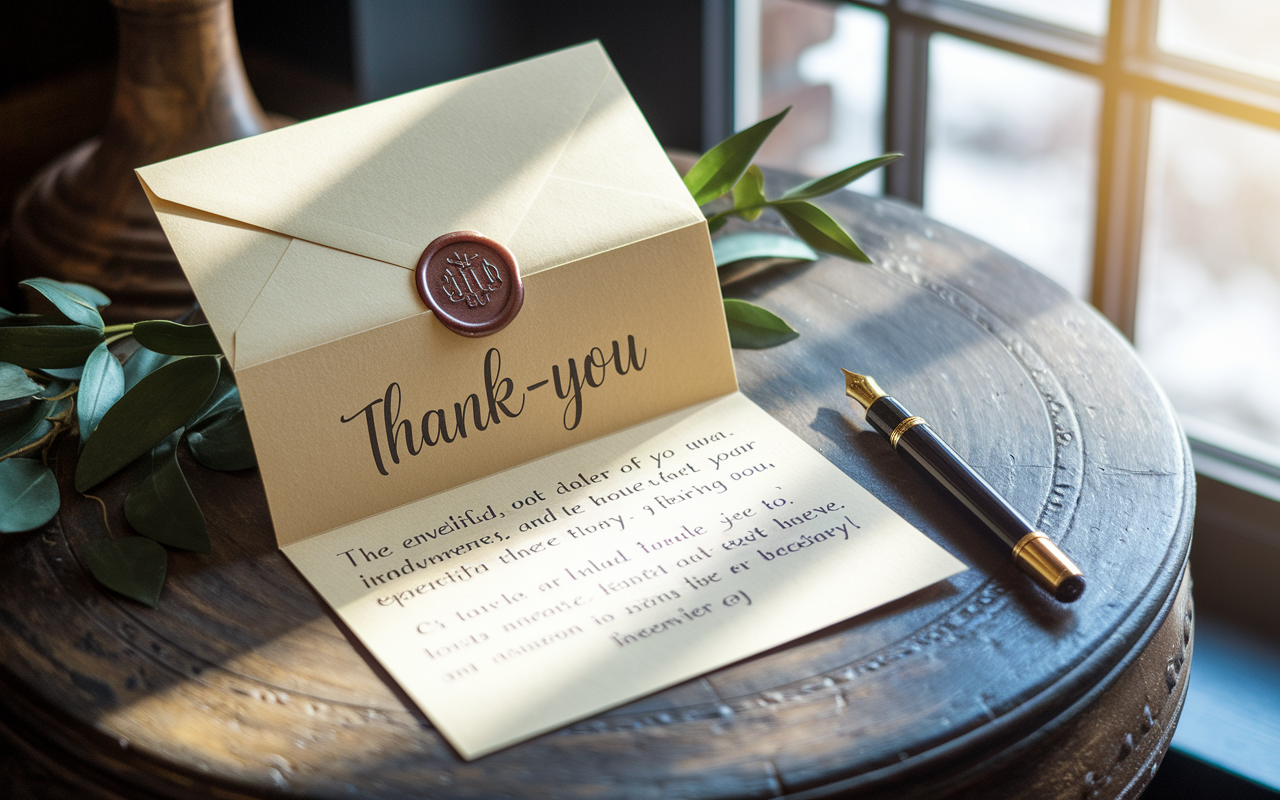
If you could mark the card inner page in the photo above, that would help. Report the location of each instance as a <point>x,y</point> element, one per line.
<point>546,593</point>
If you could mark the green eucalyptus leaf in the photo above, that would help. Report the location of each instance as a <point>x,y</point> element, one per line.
<point>87,293</point>
<point>225,396</point>
<point>6,314</point>
<point>28,422</point>
<point>155,408</point>
<point>21,426</point>
<point>222,441</point>
<point>754,328</point>
<point>56,387</point>
<point>133,566</point>
<point>101,385</point>
<point>176,339</point>
<point>819,230</point>
<point>142,363</point>
<point>758,244</point>
<point>161,506</point>
<point>748,194</point>
<point>716,224</point>
<point>10,319</point>
<point>68,374</point>
<point>14,382</point>
<point>28,495</point>
<point>42,428</point>
<point>820,186</point>
<point>68,303</point>
<point>720,167</point>
<point>44,346</point>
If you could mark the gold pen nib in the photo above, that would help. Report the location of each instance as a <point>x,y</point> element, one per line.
<point>862,388</point>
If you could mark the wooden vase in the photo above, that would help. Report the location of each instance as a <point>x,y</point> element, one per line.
<point>180,87</point>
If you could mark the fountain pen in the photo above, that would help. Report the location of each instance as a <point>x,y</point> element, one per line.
<point>915,441</point>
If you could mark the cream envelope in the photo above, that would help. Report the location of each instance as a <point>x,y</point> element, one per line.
<point>300,245</point>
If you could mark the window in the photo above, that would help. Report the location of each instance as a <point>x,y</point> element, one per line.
<point>1136,144</point>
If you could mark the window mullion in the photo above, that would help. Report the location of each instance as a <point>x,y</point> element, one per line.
<point>906,105</point>
<point>718,102</point>
<point>1122,165</point>
<point>1122,162</point>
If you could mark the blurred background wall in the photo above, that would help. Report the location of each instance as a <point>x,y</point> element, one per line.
<point>311,57</point>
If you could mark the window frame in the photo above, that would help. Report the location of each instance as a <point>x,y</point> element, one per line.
<point>1239,487</point>
<point>1132,73</point>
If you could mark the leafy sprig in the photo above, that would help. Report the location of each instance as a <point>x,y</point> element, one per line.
<point>727,170</point>
<point>60,376</point>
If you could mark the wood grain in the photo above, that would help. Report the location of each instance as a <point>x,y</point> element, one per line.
<point>242,684</point>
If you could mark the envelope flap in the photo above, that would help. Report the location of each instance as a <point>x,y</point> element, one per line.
<point>613,185</point>
<point>358,181</point>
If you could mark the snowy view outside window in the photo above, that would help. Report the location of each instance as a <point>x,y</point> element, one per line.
<point>1012,159</point>
<point>1087,16</point>
<point>1209,303</point>
<point>1012,156</point>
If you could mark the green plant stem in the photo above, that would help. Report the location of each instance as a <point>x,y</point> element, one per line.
<point>731,212</point>
<point>75,387</point>
<point>110,340</point>
<point>123,327</point>
<point>68,412</point>
<point>105,521</point>
<point>34,446</point>
<point>60,425</point>
<point>747,209</point>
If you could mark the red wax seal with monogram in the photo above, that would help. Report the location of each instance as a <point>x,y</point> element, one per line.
<point>471,282</point>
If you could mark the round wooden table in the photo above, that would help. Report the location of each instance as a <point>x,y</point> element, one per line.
<point>243,685</point>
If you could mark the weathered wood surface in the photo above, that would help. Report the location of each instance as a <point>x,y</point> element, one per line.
<point>243,685</point>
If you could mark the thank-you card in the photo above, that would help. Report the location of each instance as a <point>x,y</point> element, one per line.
<point>478,334</point>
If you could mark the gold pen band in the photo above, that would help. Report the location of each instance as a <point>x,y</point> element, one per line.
<point>904,426</point>
<point>1043,560</point>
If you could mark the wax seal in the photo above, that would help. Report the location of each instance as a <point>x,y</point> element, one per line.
<point>471,282</point>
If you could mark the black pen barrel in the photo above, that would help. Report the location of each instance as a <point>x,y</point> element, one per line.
<point>1033,551</point>
<point>917,442</point>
